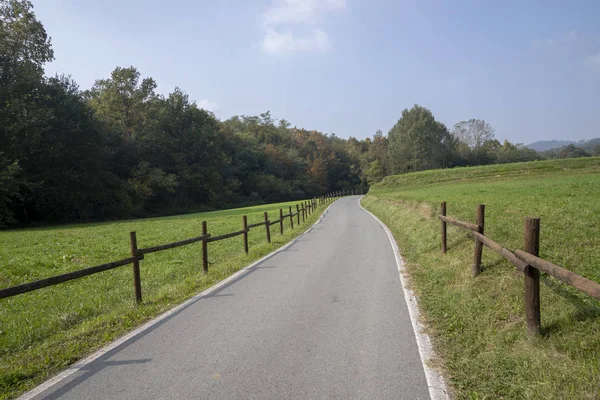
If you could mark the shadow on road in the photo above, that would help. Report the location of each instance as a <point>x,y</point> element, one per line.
<point>91,369</point>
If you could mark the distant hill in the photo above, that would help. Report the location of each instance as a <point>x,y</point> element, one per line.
<point>544,145</point>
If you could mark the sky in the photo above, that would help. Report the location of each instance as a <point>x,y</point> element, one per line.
<point>349,67</point>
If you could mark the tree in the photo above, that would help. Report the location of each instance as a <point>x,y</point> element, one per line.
<point>8,191</point>
<point>187,144</point>
<point>123,102</point>
<point>510,153</point>
<point>64,170</point>
<point>418,142</point>
<point>317,176</point>
<point>572,151</point>
<point>474,132</point>
<point>375,172</point>
<point>24,48</point>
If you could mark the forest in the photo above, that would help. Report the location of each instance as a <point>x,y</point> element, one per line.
<point>121,150</point>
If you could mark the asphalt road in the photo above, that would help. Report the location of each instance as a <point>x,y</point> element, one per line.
<point>324,319</point>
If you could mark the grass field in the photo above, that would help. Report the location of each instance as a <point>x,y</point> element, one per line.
<point>44,331</point>
<point>478,324</point>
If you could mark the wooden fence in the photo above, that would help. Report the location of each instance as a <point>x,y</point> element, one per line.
<point>526,260</point>
<point>303,210</point>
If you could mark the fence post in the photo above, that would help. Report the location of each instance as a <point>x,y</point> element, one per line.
<point>245,227</point>
<point>204,248</point>
<point>291,218</point>
<point>281,221</point>
<point>303,213</point>
<point>137,283</point>
<point>478,244</point>
<point>298,213</point>
<point>443,212</point>
<point>267,227</point>
<point>531,245</point>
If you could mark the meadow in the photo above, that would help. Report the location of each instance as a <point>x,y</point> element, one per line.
<point>44,331</point>
<point>478,324</point>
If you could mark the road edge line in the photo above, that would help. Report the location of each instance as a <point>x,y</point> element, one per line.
<point>29,395</point>
<point>435,382</point>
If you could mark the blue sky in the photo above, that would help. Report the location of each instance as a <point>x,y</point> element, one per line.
<point>349,67</point>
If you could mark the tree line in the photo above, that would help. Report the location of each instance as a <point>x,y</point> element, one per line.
<point>121,150</point>
<point>418,142</point>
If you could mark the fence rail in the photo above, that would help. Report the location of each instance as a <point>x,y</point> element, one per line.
<point>580,283</point>
<point>55,280</point>
<point>460,224</point>
<point>137,255</point>
<point>526,261</point>
<point>167,246</point>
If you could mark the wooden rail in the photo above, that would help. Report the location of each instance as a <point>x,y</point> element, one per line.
<point>55,280</point>
<point>137,254</point>
<point>256,225</point>
<point>580,283</point>
<point>526,261</point>
<point>167,246</point>
<point>460,224</point>
<point>225,236</point>
<point>503,251</point>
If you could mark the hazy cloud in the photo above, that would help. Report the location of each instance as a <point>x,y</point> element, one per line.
<point>566,38</point>
<point>592,61</point>
<point>208,105</point>
<point>294,25</point>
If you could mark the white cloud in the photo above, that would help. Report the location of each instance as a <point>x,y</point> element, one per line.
<point>276,42</point>
<point>284,18</point>
<point>592,61</point>
<point>208,105</point>
<point>566,38</point>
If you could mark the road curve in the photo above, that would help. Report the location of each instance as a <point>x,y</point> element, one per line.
<point>324,319</point>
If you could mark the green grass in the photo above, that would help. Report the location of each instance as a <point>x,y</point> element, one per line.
<point>44,331</point>
<point>477,324</point>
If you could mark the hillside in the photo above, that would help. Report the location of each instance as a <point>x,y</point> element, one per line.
<point>544,145</point>
<point>478,324</point>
